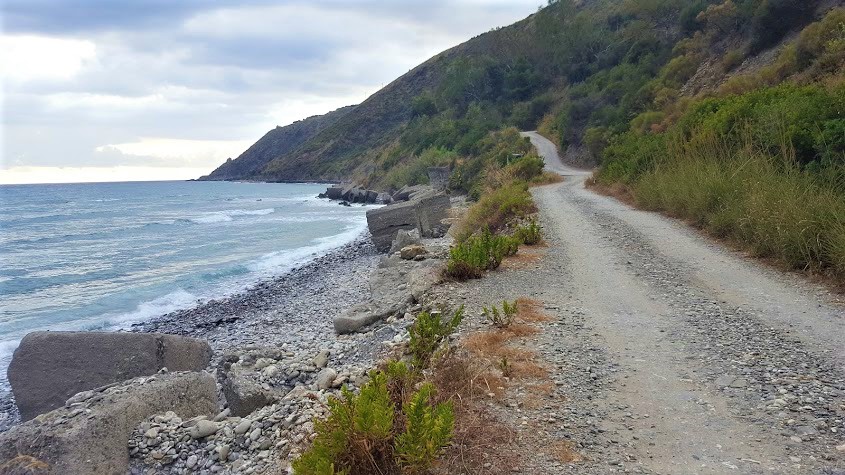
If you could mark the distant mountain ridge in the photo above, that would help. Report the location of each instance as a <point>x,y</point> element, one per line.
<point>273,144</point>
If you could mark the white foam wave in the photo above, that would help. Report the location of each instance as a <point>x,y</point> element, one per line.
<point>177,300</point>
<point>282,261</point>
<point>228,215</point>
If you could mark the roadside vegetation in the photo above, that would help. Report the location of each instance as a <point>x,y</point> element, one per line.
<point>427,411</point>
<point>760,161</point>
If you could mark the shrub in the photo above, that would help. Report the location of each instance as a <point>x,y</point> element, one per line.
<point>732,60</point>
<point>356,437</point>
<point>529,234</point>
<point>360,437</point>
<point>497,208</point>
<point>470,258</point>
<point>428,332</point>
<point>501,319</point>
<point>428,428</point>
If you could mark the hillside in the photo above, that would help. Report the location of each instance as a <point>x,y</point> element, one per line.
<point>274,143</point>
<point>582,72</point>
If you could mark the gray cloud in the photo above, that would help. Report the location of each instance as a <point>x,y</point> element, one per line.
<point>215,70</point>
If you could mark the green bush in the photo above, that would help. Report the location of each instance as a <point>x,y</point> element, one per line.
<point>529,234</point>
<point>428,332</point>
<point>428,428</point>
<point>497,208</point>
<point>478,253</point>
<point>360,437</point>
<point>501,319</point>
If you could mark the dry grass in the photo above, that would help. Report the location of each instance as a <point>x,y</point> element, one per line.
<point>546,178</point>
<point>566,453</point>
<point>521,260</point>
<point>478,438</point>
<point>531,311</point>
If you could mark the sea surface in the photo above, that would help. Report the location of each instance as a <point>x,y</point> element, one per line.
<point>102,256</point>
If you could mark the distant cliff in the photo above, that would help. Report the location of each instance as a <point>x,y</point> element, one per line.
<point>273,144</point>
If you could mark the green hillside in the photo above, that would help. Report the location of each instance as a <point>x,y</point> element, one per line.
<point>584,73</point>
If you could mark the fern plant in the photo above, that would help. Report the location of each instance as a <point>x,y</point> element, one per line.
<point>428,429</point>
<point>501,319</point>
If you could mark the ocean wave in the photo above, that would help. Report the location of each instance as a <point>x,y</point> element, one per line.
<point>229,215</point>
<point>282,261</point>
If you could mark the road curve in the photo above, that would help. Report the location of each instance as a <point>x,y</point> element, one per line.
<point>548,150</point>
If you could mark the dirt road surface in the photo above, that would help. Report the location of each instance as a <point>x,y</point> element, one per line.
<point>672,354</point>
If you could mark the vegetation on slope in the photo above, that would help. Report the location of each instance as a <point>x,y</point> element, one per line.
<point>760,161</point>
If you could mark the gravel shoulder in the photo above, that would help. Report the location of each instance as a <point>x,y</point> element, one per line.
<point>669,353</point>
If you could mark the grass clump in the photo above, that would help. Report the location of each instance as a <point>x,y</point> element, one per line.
<point>529,234</point>
<point>501,319</point>
<point>479,253</point>
<point>498,207</point>
<point>428,332</point>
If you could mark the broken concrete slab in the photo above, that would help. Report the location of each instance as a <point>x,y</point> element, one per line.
<point>49,367</point>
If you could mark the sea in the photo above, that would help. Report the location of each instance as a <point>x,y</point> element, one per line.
<point>102,256</point>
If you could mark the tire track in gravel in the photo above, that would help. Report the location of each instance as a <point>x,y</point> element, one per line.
<point>726,366</point>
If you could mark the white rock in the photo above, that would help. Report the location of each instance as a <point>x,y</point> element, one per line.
<point>191,462</point>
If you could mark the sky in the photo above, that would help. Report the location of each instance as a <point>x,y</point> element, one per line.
<point>114,90</point>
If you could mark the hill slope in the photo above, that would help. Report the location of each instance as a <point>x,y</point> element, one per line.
<point>274,143</point>
<point>583,72</point>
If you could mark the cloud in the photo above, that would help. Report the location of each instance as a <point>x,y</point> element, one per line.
<point>88,75</point>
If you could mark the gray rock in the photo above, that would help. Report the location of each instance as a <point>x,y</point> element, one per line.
<point>322,359</point>
<point>325,378</point>
<point>191,462</point>
<point>363,315</point>
<point>95,441</point>
<point>425,214</point>
<point>335,192</point>
<point>405,238</point>
<point>243,427</point>
<point>203,428</point>
<point>242,392</point>
<point>49,367</point>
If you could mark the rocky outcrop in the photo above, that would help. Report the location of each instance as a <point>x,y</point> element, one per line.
<point>49,367</point>
<point>351,193</point>
<point>89,433</point>
<point>394,287</point>
<point>425,212</point>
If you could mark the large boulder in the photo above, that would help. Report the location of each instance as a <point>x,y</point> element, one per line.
<point>49,367</point>
<point>426,215</point>
<point>90,433</point>
<point>405,238</point>
<point>334,192</point>
<point>243,393</point>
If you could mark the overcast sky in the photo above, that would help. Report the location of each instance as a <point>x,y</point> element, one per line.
<point>105,90</point>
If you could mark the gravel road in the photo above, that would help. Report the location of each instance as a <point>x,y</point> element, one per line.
<point>671,353</point>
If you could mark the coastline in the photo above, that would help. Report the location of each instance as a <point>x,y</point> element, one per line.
<point>292,311</point>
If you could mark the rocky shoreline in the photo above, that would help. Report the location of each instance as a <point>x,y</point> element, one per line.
<point>289,310</point>
<point>274,356</point>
